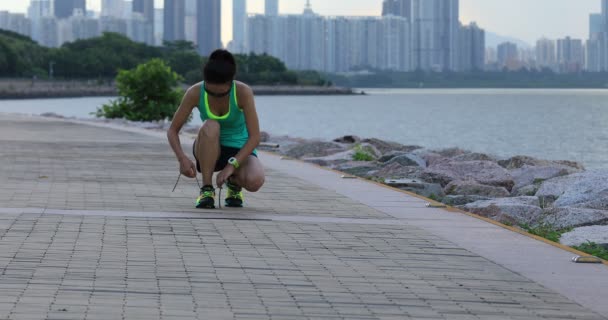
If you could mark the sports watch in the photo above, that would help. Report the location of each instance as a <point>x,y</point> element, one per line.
<point>234,162</point>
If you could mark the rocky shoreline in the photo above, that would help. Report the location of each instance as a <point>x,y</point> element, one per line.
<point>518,191</point>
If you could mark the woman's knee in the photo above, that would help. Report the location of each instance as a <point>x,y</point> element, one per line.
<point>210,129</point>
<point>255,183</point>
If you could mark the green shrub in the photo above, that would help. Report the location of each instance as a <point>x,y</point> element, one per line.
<point>147,93</point>
<point>546,231</point>
<point>593,249</point>
<point>362,155</point>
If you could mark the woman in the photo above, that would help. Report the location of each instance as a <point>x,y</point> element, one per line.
<point>227,141</point>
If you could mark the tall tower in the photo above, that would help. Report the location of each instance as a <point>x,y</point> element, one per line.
<point>174,27</point>
<point>435,36</point>
<point>239,25</point>
<point>272,8</point>
<point>400,8</point>
<point>65,8</point>
<point>209,26</point>
<point>145,7</point>
<point>112,8</point>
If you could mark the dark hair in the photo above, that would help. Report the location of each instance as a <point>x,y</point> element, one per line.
<point>220,68</point>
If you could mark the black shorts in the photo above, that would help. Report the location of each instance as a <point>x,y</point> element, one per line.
<point>225,154</point>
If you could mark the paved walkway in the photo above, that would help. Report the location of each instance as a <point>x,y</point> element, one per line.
<point>89,229</point>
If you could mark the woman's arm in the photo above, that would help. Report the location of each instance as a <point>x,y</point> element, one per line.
<point>190,100</point>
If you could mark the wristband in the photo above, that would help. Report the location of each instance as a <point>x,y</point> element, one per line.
<point>234,162</point>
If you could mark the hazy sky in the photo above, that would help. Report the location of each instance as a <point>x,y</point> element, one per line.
<point>524,19</point>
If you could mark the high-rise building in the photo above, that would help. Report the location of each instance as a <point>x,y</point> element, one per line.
<point>239,26</point>
<point>596,24</point>
<point>113,24</point>
<point>435,37</point>
<point>35,12</point>
<point>472,46</point>
<point>190,21</point>
<point>146,9</point>
<point>173,24</point>
<point>570,55</point>
<point>112,8</point>
<point>594,50</point>
<point>158,26</point>
<point>65,8</point>
<point>545,53</point>
<point>508,56</point>
<point>271,8</point>
<point>400,8</point>
<point>84,27</point>
<point>16,22</point>
<point>209,26</point>
<point>333,44</point>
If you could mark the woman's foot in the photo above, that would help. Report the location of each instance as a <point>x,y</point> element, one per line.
<point>206,200</point>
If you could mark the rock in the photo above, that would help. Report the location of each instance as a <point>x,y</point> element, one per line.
<point>483,172</point>
<point>587,189</point>
<point>520,161</point>
<point>451,152</point>
<point>473,157</point>
<point>358,168</point>
<point>313,149</point>
<point>520,210</point>
<point>390,155</point>
<point>527,175</point>
<point>52,115</point>
<point>408,160</point>
<point>429,190</point>
<point>348,139</point>
<point>469,188</point>
<point>460,200</point>
<point>529,190</point>
<point>567,217</point>
<point>388,146</point>
<point>397,171</point>
<point>578,236</point>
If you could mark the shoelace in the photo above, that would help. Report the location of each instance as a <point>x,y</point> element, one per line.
<point>219,198</point>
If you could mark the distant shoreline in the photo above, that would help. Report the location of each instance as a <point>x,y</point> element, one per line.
<point>22,89</point>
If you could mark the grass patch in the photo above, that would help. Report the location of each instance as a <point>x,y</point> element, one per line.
<point>546,231</point>
<point>362,155</point>
<point>593,249</point>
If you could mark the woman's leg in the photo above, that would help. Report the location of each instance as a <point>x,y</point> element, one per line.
<point>207,149</point>
<point>250,175</point>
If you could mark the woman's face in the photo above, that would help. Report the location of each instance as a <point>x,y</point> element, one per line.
<point>218,89</point>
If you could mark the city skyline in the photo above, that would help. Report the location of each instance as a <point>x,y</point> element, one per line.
<point>560,18</point>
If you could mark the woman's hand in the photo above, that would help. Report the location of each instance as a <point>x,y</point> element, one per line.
<point>187,167</point>
<point>223,176</point>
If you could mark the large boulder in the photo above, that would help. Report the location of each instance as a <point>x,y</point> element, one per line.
<point>578,236</point>
<point>388,146</point>
<point>473,156</point>
<point>397,171</point>
<point>520,210</point>
<point>461,200</point>
<point>470,188</point>
<point>528,175</point>
<point>348,139</point>
<point>587,189</point>
<point>429,190</point>
<point>482,172</point>
<point>313,149</point>
<point>408,159</point>
<point>568,217</point>
<point>363,169</point>
<point>521,161</point>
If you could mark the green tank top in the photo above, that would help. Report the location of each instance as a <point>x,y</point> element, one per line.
<point>233,128</point>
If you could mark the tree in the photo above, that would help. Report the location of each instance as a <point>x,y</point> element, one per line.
<point>147,93</point>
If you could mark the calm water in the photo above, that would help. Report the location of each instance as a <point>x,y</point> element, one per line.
<point>551,124</point>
